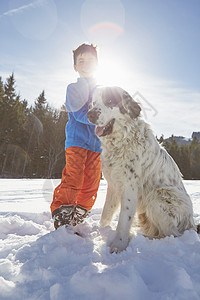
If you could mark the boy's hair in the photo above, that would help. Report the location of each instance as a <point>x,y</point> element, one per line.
<point>84,48</point>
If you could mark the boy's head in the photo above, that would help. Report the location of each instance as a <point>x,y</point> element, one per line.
<point>85,60</point>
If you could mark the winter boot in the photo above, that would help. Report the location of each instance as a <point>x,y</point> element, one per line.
<point>63,215</point>
<point>80,213</point>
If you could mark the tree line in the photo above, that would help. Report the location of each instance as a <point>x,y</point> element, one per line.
<point>32,139</point>
<point>187,157</point>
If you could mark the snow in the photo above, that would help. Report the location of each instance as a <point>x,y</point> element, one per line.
<point>38,263</point>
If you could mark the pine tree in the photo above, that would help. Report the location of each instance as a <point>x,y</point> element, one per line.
<point>2,113</point>
<point>180,155</point>
<point>173,150</point>
<point>56,149</point>
<point>7,123</point>
<point>161,139</point>
<point>184,161</point>
<point>40,106</point>
<point>12,124</point>
<point>9,90</point>
<point>2,108</point>
<point>1,91</point>
<point>10,102</point>
<point>36,136</point>
<point>194,149</point>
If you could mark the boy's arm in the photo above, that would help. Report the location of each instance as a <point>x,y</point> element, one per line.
<point>76,101</point>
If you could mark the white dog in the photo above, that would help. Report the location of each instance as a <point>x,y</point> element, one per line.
<point>142,177</point>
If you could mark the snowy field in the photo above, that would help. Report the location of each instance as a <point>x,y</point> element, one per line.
<point>38,263</point>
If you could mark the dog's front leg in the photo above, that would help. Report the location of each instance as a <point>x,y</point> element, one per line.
<point>128,209</point>
<point>110,206</point>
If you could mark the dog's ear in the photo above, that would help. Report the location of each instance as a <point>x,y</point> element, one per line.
<point>132,107</point>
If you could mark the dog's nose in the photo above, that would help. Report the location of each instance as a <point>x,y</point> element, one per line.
<point>93,115</point>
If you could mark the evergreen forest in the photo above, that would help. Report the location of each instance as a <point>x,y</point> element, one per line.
<point>32,139</point>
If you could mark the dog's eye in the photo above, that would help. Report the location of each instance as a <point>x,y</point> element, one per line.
<point>108,102</point>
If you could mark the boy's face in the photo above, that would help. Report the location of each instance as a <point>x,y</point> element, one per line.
<point>86,65</point>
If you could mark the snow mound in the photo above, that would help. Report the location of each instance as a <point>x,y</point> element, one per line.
<point>16,225</point>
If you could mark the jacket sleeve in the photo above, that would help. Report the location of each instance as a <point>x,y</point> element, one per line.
<point>77,101</point>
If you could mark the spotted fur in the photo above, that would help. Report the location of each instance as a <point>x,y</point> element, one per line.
<point>143,179</point>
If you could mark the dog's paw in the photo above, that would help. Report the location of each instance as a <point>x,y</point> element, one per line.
<point>118,244</point>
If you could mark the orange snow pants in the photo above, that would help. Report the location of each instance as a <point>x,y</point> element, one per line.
<point>80,179</point>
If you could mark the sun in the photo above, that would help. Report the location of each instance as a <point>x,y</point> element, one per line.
<point>110,71</point>
<point>115,70</point>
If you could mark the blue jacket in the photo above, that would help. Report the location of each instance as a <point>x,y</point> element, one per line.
<point>79,131</point>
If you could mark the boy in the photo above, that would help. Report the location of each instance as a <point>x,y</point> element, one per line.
<point>75,195</point>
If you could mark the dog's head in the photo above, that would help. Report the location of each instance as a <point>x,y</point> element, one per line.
<point>109,104</point>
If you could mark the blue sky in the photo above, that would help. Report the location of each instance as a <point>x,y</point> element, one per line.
<point>146,46</point>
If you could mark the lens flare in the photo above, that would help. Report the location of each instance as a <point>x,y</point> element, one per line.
<point>106,27</point>
<point>103,21</point>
